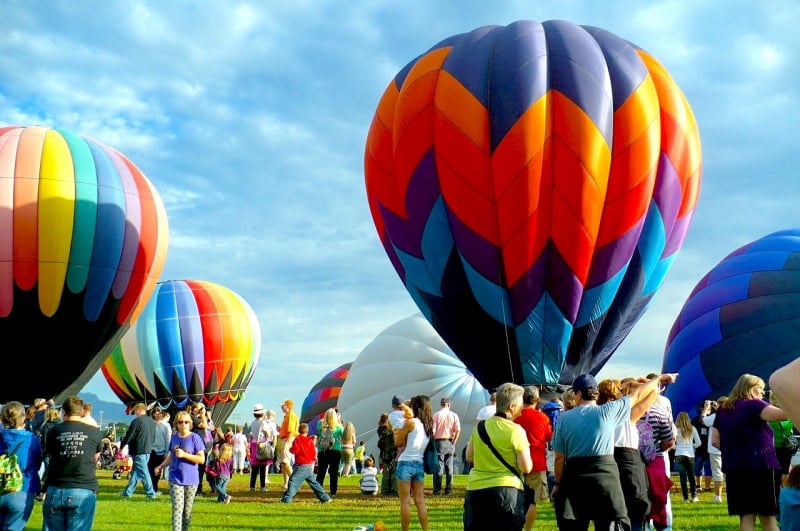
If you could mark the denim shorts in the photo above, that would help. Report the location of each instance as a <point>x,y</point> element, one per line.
<point>410,471</point>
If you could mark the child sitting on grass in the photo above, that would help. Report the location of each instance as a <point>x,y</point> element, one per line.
<point>369,478</point>
<point>305,453</point>
<point>223,465</point>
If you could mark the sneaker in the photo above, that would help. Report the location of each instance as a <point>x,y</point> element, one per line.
<point>227,499</point>
<point>123,495</point>
<point>264,489</point>
<point>696,499</point>
<point>687,500</point>
<point>252,489</point>
<point>717,499</point>
<point>154,495</point>
<point>328,500</point>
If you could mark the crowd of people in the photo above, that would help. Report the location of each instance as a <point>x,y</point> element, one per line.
<point>601,452</point>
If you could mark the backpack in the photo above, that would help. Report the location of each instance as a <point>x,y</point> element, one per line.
<point>10,474</point>
<point>326,438</point>
<point>647,441</point>
<point>553,410</point>
<point>388,451</point>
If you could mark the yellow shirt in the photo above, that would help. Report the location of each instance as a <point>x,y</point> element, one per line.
<point>290,427</point>
<point>508,438</point>
<point>359,452</point>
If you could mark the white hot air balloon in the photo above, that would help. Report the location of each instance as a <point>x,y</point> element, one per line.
<point>408,358</point>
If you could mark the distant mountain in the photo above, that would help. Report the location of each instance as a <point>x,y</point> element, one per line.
<point>106,412</point>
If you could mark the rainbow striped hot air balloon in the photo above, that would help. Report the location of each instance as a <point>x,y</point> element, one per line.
<point>195,341</point>
<point>323,396</point>
<point>532,184</point>
<point>83,239</point>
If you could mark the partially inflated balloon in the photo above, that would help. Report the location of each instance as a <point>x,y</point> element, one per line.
<point>83,239</point>
<point>531,184</point>
<point>408,358</point>
<point>742,317</point>
<point>323,396</point>
<point>194,341</point>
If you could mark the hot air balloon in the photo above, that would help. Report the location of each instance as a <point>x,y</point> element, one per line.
<point>742,317</point>
<point>408,358</point>
<point>83,239</point>
<point>531,185</point>
<point>323,396</point>
<point>195,341</point>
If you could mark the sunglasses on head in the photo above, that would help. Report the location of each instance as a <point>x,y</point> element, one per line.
<point>183,422</point>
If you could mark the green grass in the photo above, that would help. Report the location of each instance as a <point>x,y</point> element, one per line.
<point>263,511</point>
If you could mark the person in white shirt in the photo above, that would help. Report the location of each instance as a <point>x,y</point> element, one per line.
<point>489,409</point>
<point>714,455</point>
<point>686,441</point>
<point>369,478</point>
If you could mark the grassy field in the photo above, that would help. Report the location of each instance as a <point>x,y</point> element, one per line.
<point>263,511</point>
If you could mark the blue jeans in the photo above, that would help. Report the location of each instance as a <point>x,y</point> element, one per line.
<point>304,473</point>
<point>410,471</point>
<point>139,472</point>
<point>15,509</point>
<point>221,484</point>
<point>69,509</point>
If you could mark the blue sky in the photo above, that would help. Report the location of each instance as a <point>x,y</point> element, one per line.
<point>250,119</point>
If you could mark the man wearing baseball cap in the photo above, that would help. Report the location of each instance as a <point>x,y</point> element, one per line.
<point>587,486</point>
<point>446,429</point>
<point>290,428</point>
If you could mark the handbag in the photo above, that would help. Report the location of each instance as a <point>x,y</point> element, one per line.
<point>790,443</point>
<point>430,459</point>
<point>488,442</point>
<point>264,451</point>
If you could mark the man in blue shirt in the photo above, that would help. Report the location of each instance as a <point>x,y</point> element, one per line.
<point>587,486</point>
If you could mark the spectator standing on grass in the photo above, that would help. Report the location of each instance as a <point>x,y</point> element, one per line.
<point>687,440</point>
<point>539,432</point>
<point>329,446</point>
<point>702,464</point>
<point>305,453</point>
<point>16,507</point>
<point>223,466</point>
<point>660,418</point>
<point>446,429</point>
<point>287,432</point>
<point>160,445</point>
<point>413,438</point>
<point>708,416</point>
<point>495,497</point>
<point>388,455</point>
<point>587,483</point>
<point>187,453</point>
<point>752,471</point>
<point>348,448</point>
<point>259,434</point>
<point>139,439</point>
<point>239,445</point>
<point>71,484</point>
<point>358,455</point>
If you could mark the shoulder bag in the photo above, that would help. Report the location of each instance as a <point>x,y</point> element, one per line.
<point>485,438</point>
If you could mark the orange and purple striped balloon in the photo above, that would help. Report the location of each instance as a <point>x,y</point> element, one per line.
<point>83,239</point>
<point>531,185</point>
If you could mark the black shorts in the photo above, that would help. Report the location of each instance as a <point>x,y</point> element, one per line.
<point>753,492</point>
<point>784,458</point>
<point>494,508</point>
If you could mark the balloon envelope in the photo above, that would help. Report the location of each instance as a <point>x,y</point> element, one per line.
<point>83,239</point>
<point>195,341</point>
<point>742,317</point>
<point>531,185</point>
<point>408,358</point>
<point>323,396</point>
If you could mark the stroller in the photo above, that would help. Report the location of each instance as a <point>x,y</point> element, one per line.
<point>106,461</point>
<point>124,463</point>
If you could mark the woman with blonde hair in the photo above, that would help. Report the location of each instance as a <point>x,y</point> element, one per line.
<point>752,471</point>
<point>348,448</point>
<point>329,448</point>
<point>686,441</point>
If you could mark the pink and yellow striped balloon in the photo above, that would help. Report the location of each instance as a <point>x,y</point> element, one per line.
<point>83,239</point>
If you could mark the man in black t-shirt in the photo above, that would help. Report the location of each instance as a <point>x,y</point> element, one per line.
<point>71,483</point>
<point>139,439</point>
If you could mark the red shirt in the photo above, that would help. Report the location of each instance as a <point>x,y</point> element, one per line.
<point>537,428</point>
<point>305,453</point>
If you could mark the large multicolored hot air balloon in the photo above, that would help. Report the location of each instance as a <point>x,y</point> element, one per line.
<point>194,341</point>
<point>323,396</point>
<point>742,317</point>
<point>531,184</point>
<point>408,358</point>
<point>83,239</point>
